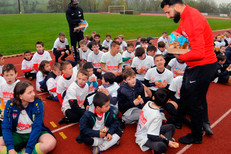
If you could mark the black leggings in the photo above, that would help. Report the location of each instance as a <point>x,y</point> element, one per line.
<point>74,116</point>
<point>160,147</point>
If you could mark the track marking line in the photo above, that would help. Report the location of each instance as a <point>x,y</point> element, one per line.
<point>63,135</point>
<point>212,126</point>
<point>53,124</point>
<point>67,126</point>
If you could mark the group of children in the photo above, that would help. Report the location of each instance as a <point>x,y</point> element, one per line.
<point>114,84</point>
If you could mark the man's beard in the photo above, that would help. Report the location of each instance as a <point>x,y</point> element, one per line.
<point>176,17</point>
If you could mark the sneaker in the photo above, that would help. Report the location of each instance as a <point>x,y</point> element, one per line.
<point>207,129</point>
<point>30,78</point>
<point>117,143</point>
<point>96,150</point>
<point>121,125</point>
<point>189,139</point>
<point>50,97</point>
<point>64,121</point>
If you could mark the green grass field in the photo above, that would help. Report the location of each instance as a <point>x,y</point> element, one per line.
<point>21,32</point>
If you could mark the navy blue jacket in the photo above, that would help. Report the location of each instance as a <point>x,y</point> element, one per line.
<point>88,120</point>
<point>228,54</point>
<point>127,94</point>
<point>35,111</point>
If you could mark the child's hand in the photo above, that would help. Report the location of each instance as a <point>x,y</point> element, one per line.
<point>173,144</point>
<point>99,70</point>
<point>132,57</point>
<point>104,90</point>
<point>92,79</point>
<point>144,68</point>
<point>164,84</point>
<point>12,151</point>
<point>62,53</point>
<point>127,67</point>
<point>109,137</point>
<point>137,102</point>
<point>102,133</point>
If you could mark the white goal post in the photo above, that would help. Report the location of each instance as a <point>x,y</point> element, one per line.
<point>116,8</point>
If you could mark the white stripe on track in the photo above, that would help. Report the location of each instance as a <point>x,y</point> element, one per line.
<point>67,126</point>
<point>212,126</point>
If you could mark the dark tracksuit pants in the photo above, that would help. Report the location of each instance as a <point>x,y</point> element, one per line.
<point>76,37</point>
<point>193,92</point>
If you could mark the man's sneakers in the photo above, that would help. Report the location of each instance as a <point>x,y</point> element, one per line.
<point>96,150</point>
<point>207,129</point>
<point>190,139</point>
<point>64,121</point>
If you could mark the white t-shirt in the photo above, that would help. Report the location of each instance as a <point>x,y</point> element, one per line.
<point>37,58</point>
<point>39,78</point>
<point>148,62</point>
<point>106,44</point>
<point>2,80</point>
<point>99,123</point>
<point>84,54</point>
<point>111,62</point>
<point>165,52</point>
<point>24,125</point>
<point>175,65</point>
<point>75,92</point>
<point>52,83</point>
<point>145,47</point>
<point>175,85</point>
<point>1,69</point>
<point>148,125</point>
<point>228,40</point>
<point>126,54</point>
<point>63,83</point>
<point>60,45</point>
<point>218,44</point>
<point>152,76</point>
<point>6,90</point>
<point>165,40</point>
<point>95,59</point>
<point>27,65</point>
<point>122,46</point>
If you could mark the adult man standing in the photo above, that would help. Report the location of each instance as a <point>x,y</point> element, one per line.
<point>201,61</point>
<point>74,15</point>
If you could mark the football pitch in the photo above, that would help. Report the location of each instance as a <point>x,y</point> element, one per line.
<point>21,32</point>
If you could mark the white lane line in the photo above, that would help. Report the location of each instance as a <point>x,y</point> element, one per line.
<point>67,126</point>
<point>212,126</point>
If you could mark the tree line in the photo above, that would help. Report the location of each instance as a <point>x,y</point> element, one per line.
<point>40,6</point>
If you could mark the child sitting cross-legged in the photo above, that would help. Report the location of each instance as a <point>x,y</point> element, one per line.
<point>98,125</point>
<point>92,81</point>
<point>73,106</point>
<point>150,133</point>
<point>131,98</point>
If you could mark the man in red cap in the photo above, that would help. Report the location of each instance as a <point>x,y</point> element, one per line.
<point>74,15</point>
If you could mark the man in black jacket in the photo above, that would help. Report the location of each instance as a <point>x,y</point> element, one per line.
<point>74,15</point>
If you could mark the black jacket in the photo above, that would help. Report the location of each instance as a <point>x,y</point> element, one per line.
<point>74,17</point>
<point>127,94</point>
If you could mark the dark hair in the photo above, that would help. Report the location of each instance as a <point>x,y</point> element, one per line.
<point>8,67</point>
<point>64,65</point>
<point>222,46</point>
<point>109,77</point>
<point>27,51</point>
<point>19,89</point>
<point>93,43</point>
<point>164,33</point>
<point>81,63</point>
<point>130,44</point>
<point>221,57</point>
<point>139,51</point>
<point>161,96</point>
<point>170,2</point>
<point>161,44</point>
<point>143,40</point>
<point>114,43</point>
<point>61,34</point>
<point>87,36</point>
<point>1,55</point>
<point>57,66</point>
<point>88,65</point>
<point>121,36</point>
<point>96,35</point>
<point>84,72</point>
<point>108,35</point>
<point>42,65</point>
<point>128,73</point>
<point>100,99</point>
<point>158,55</point>
<point>151,48</point>
<point>39,42</point>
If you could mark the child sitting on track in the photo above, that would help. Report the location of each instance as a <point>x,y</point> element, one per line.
<point>92,81</point>
<point>23,126</point>
<point>27,66</point>
<point>128,56</point>
<point>98,125</point>
<point>150,133</point>
<point>84,51</point>
<point>73,106</point>
<point>41,76</point>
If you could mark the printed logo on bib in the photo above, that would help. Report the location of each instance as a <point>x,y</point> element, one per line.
<point>59,48</point>
<point>7,95</point>
<point>80,102</point>
<point>112,68</point>
<point>143,120</point>
<point>91,89</point>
